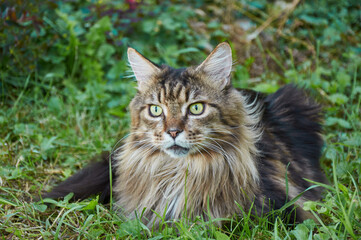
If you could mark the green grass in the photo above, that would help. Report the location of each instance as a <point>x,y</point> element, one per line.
<point>64,96</point>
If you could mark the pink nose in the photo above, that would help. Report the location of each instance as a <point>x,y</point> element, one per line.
<point>174,132</point>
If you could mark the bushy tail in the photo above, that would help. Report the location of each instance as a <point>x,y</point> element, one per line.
<point>93,179</point>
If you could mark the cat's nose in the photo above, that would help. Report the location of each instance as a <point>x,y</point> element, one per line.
<point>174,132</point>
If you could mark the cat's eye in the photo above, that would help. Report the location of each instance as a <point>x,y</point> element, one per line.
<point>155,110</point>
<point>196,108</point>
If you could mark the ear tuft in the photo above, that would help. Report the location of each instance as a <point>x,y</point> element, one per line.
<point>218,65</point>
<point>143,69</point>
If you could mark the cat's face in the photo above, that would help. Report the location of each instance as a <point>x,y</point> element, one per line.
<point>184,111</point>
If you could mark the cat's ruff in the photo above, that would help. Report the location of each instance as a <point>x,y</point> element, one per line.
<point>198,146</point>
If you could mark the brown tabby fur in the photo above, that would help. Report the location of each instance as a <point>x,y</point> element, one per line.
<point>245,147</point>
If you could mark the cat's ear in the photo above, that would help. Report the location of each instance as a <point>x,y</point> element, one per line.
<point>143,69</point>
<point>218,66</point>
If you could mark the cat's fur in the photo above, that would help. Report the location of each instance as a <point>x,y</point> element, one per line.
<point>244,148</point>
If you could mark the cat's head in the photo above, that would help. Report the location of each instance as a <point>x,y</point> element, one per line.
<point>186,111</point>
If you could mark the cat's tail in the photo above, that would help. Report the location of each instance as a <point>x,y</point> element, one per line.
<point>93,179</point>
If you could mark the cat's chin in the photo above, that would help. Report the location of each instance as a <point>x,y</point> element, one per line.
<point>177,151</point>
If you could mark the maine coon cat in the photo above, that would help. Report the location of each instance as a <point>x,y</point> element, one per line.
<point>199,146</point>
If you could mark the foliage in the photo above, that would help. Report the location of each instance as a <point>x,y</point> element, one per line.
<point>65,87</point>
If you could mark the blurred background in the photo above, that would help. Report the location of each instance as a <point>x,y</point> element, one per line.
<point>65,83</point>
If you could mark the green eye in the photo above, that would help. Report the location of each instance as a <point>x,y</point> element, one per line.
<point>196,108</point>
<point>155,110</point>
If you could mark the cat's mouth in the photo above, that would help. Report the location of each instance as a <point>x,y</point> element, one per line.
<point>177,151</point>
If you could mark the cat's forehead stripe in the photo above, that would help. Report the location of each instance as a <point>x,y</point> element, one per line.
<point>174,87</point>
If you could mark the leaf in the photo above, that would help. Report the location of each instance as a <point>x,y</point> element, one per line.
<point>129,228</point>
<point>149,25</point>
<point>354,141</point>
<point>331,36</point>
<point>47,144</point>
<point>300,232</point>
<point>266,88</point>
<point>213,25</point>
<point>343,79</point>
<point>356,90</point>
<point>105,51</point>
<point>310,224</point>
<point>343,188</point>
<point>96,35</point>
<point>314,20</point>
<point>96,232</point>
<point>13,173</point>
<point>68,197</point>
<point>338,98</point>
<point>92,204</point>
<point>117,70</point>
<point>331,153</point>
<point>330,121</point>
<point>55,104</point>
<point>220,236</point>
<point>309,205</point>
<point>40,207</point>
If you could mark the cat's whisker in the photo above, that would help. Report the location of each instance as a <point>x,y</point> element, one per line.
<point>222,130</point>
<point>139,154</point>
<point>133,143</point>
<point>216,148</point>
<point>218,139</point>
<point>115,148</point>
<point>214,140</point>
<point>145,154</point>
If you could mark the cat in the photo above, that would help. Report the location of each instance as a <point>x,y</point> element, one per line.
<point>200,147</point>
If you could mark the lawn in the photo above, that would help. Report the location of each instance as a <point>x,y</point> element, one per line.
<point>65,87</point>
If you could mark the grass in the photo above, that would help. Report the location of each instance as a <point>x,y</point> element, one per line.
<point>52,124</point>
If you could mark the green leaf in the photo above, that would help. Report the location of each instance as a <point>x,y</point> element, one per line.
<point>40,207</point>
<point>105,52</point>
<point>95,232</point>
<point>314,20</point>
<point>266,88</point>
<point>338,98</point>
<point>55,104</point>
<point>221,236</point>
<point>343,80</point>
<point>301,232</point>
<point>356,90</point>
<point>354,141</point>
<point>330,121</point>
<point>331,36</point>
<point>92,204</point>
<point>343,188</point>
<point>96,35</point>
<point>309,205</point>
<point>68,197</point>
<point>129,228</point>
<point>148,26</point>
<point>47,144</point>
